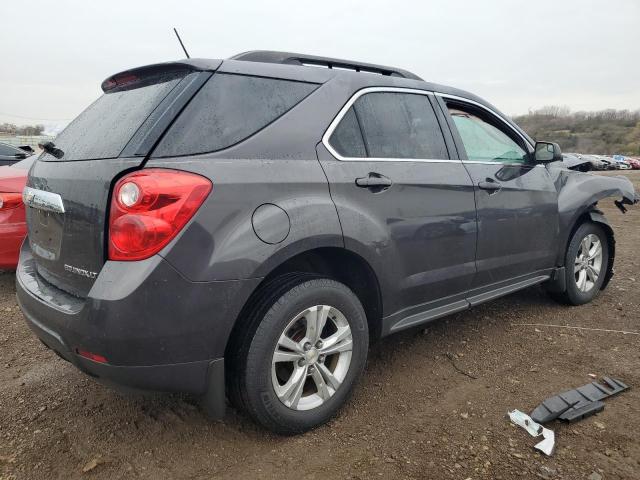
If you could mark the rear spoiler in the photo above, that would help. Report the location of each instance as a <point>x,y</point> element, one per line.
<point>129,78</point>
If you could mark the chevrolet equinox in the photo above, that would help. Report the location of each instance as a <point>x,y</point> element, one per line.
<point>243,228</point>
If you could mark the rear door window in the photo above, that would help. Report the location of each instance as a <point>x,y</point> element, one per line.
<point>106,126</point>
<point>229,109</point>
<point>400,125</point>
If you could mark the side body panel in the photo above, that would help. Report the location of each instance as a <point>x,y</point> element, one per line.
<point>517,225</point>
<point>220,243</point>
<point>419,235</point>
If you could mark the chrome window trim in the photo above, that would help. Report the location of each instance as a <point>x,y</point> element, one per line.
<point>480,162</point>
<point>343,111</point>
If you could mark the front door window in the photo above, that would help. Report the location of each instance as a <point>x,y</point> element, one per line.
<point>484,142</point>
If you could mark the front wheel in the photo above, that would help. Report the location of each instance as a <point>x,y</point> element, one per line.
<point>308,349</point>
<point>586,262</point>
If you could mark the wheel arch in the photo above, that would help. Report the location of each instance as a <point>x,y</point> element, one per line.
<point>333,262</point>
<point>592,214</point>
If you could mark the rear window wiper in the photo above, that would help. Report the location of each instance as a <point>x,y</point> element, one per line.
<point>51,149</point>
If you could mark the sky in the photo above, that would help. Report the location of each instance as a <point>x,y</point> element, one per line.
<point>517,54</point>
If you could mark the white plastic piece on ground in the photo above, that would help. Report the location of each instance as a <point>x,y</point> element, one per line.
<point>535,430</point>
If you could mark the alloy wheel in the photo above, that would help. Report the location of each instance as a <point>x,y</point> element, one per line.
<point>312,357</point>
<point>588,263</point>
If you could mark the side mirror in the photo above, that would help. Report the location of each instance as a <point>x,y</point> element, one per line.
<point>546,152</point>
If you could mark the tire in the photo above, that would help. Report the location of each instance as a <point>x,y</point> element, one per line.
<point>581,287</point>
<point>263,382</point>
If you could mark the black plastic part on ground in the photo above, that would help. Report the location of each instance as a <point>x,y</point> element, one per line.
<point>579,403</point>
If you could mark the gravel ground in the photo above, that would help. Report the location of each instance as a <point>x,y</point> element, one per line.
<point>414,415</point>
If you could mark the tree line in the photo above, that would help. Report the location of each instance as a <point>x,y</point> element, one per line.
<point>13,129</point>
<point>604,132</point>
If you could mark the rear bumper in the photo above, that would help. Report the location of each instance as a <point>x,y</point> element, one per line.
<point>191,377</point>
<point>157,330</point>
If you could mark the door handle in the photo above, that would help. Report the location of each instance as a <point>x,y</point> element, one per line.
<point>374,181</point>
<point>490,185</point>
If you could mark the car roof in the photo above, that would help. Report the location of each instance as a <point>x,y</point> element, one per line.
<point>309,68</point>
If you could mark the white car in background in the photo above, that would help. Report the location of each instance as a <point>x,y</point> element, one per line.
<point>620,162</point>
<point>597,162</point>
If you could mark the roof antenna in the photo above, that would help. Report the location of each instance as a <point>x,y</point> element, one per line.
<point>181,44</point>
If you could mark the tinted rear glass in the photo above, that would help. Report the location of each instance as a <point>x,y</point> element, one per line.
<point>400,125</point>
<point>105,127</point>
<point>229,109</point>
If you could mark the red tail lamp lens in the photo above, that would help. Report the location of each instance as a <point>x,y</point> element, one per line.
<point>149,208</point>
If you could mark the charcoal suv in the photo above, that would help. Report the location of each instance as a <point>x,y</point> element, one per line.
<point>243,228</point>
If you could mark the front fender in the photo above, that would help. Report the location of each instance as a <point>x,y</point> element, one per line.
<point>578,193</point>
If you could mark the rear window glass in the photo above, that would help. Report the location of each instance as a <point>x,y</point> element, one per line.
<point>105,127</point>
<point>8,150</point>
<point>229,109</point>
<point>346,139</point>
<point>400,125</point>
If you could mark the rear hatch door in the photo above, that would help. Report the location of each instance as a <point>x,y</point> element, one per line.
<point>68,190</point>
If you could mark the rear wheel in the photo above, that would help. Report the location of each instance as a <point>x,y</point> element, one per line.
<point>586,262</point>
<point>303,356</point>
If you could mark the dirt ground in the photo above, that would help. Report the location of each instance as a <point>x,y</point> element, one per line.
<point>413,415</point>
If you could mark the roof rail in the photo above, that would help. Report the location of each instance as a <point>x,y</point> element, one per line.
<point>268,56</point>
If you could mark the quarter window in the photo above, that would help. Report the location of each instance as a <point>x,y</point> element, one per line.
<point>484,142</point>
<point>229,109</point>
<point>390,125</point>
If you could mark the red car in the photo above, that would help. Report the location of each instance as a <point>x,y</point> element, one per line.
<point>634,162</point>
<point>12,223</point>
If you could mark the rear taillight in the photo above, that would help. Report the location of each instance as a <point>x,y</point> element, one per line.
<point>10,200</point>
<point>149,208</point>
